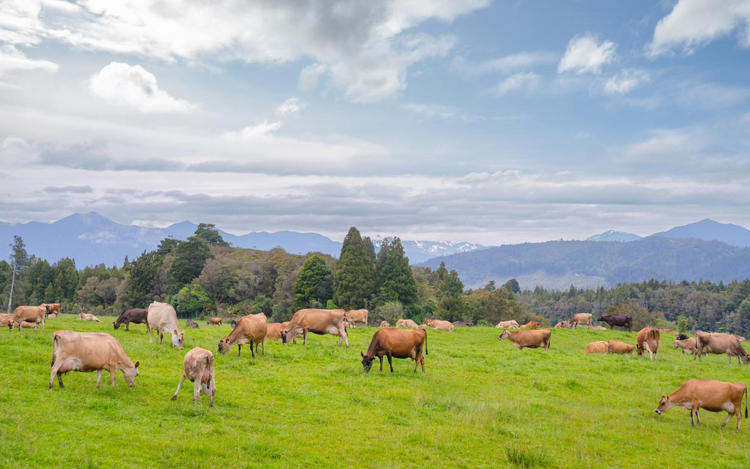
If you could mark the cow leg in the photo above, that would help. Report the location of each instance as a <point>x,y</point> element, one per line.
<point>55,371</point>
<point>196,391</point>
<point>251,349</point>
<point>390,362</point>
<point>421,360</point>
<point>127,327</point>
<point>346,339</point>
<point>151,332</point>
<point>692,417</point>
<point>239,349</point>
<point>738,413</point>
<point>729,416</point>
<point>161,336</point>
<point>698,414</point>
<point>263,347</point>
<point>112,371</point>
<point>381,363</point>
<point>98,378</point>
<point>207,390</point>
<point>179,385</point>
<point>304,336</point>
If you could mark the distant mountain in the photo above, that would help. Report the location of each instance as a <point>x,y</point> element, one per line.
<point>615,236</point>
<point>710,230</point>
<point>559,264</point>
<point>420,251</point>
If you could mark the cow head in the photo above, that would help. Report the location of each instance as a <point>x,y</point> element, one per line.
<point>664,405</point>
<point>178,338</point>
<point>366,362</point>
<point>224,345</point>
<point>286,335</point>
<point>130,374</point>
<point>746,359</point>
<point>504,335</point>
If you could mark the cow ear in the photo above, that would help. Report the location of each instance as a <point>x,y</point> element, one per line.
<point>363,355</point>
<point>137,364</point>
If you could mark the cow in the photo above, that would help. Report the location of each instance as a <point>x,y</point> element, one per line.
<point>274,330</point>
<point>6,319</point>
<point>214,322</point>
<point>714,396</point>
<point>385,324</point>
<point>440,324</point>
<point>530,339</point>
<point>134,315</point>
<point>707,342</point>
<point>355,316</point>
<point>251,329</point>
<point>532,325</point>
<point>88,317</point>
<point>601,346</point>
<point>682,336</point>
<point>29,314</point>
<point>317,321</point>
<point>562,325</point>
<point>581,318</point>
<point>54,309</point>
<point>163,318</point>
<point>463,323</point>
<point>396,343</point>
<point>687,345</point>
<point>29,325</point>
<point>87,351</point>
<point>407,323</point>
<point>615,346</point>
<point>191,323</point>
<point>619,320</point>
<point>648,339</point>
<point>512,324</point>
<point>198,367</point>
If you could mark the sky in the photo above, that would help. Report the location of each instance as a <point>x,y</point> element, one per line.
<point>485,121</point>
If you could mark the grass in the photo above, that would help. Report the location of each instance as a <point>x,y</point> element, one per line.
<point>482,403</point>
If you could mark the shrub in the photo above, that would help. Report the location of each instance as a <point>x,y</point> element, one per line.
<point>391,311</point>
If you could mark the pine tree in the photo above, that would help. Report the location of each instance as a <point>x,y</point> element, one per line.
<point>354,280</point>
<point>314,283</point>
<point>210,235</point>
<point>190,258</point>
<point>395,277</point>
<point>20,260</point>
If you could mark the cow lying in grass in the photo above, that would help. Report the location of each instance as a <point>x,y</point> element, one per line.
<point>198,367</point>
<point>396,343</point>
<point>407,323</point>
<point>714,396</point>
<point>88,317</point>
<point>512,324</point>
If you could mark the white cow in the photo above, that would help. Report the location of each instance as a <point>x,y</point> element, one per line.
<point>163,318</point>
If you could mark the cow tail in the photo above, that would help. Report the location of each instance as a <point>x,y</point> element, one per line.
<point>745,401</point>
<point>54,349</point>
<point>425,342</point>
<point>210,368</point>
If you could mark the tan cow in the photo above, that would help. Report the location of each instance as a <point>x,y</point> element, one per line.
<point>532,325</point>
<point>396,343</point>
<point>407,323</point>
<point>581,318</point>
<point>512,324</point>
<point>198,367</point>
<point>6,319</point>
<point>440,325</point>
<point>251,329</point>
<point>54,309</point>
<point>648,339</point>
<point>273,331</point>
<point>708,342</point>
<point>357,316</point>
<point>714,396</point>
<point>687,345</point>
<point>29,314</point>
<point>562,325</point>
<point>615,346</point>
<point>385,324</point>
<point>29,325</point>
<point>88,317</point>
<point>87,351</point>
<point>530,339</point>
<point>214,322</point>
<point>163,318</point>
<point>317,321</point>
<point>601,346</point>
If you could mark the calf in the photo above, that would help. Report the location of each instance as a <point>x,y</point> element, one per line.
<point>714,396</point>
<point>78,351</point>
<point>530,339</point>
<point>707,342</point>
<point>648,339</point>
<point>440,324</point>
<point>407,323</point>
<point>581,318</point>
<point>687,345</point>
<point>317,321</point>
<point>396,343</point>
<point>615,346</point>
<point>198,367</point>
<point>29,314</point>
<point>597,347</point>
<point>512,324</point>
<point>385,324</point>
<point>88,317</point>
<point>134,315</point>
<point>250,329</point>
<point>214,322</point>
<point>620,320</point>
<point>562,325</point>
<point>192,324</point>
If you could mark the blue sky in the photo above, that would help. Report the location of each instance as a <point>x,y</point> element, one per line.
<point>492,122</point>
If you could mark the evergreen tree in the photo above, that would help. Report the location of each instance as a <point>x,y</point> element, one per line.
<point>190,258</point>
<point>512,286</point>
<point>354,280</point>
<point>142,279</point>
<point>209,234</point>
<point>490,286</point>
<point>385,248</point>
<point>19,261</point>
<point>314,283</point>
<point>442,272</point>
<point>395,277</point>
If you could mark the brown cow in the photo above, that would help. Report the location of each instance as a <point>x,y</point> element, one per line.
<point>317,321</point>
<point>87,351</point>
<point>615,346</point>
<point>29,314</point>
<point>29,325</point>
<point>6,319</point>
<point>274,330</point>
<point>530,339</point>
<point>250,329</point>
<point>562,325</point>
<point>214,322</point>
<point>581,318</point>
<point>707,342</point>
<point>385,324</point>
<point>198,367</point>
<point>163,318</point>
<point>512,324</point>
<point>54,309</point>
<point>532,325</point>
<point>134,315</point>
<point>192,324</point>
<point>407,323</point>
<point>440,324</point>
<point>396,343</point>
<point>714,396</point>
<point>687,345</point>
<point>88,317</point>
<point>648,339</point>
<point>597,347</point>
<point>357,316</point>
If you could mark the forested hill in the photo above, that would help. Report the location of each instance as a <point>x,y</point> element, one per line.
<point>559,264</point>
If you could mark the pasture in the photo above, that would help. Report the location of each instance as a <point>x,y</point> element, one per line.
<point>482,403</point>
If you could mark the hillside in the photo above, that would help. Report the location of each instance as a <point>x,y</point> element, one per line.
<point>709,230</point>
<point>614,236</point>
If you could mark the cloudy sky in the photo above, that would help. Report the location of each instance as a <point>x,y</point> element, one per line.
<point>471,120</point>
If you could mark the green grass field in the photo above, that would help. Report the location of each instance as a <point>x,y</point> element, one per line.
<point>482,403</point>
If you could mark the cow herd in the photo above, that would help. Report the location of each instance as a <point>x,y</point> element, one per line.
<point>89,352</point>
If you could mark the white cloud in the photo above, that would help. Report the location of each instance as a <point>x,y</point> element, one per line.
<point>134,87</point>
<point>12,59</point>
<point>290,107</point>
<point>625,81</point>
<point>694,23</point>
<point>585,55</point>
<point>515,62</point>
<point>252,132</point>
<point>517,82</point>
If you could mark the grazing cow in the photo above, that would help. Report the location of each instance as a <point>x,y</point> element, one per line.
<point>191,323</point>
<point>620,320</point>
<point>87,351</point>
<point>530,339</point>
<point>385,324</point>
<point>88,317</point>
<point>134,315</point>
<point>707,342</point>
<point>648,340</point>
<point>250,329</point>
<point>562,325</point>
<point>6,319</point>
<point>317,321</point>
<point>615,346</point>
<point>396,343</point>
<point>581,318</point>
<point>198,367</point>
<point>163,318</point>
<point>440,324</point>
<point>463,324</point>
<point>274,330</point>
<point>601,346</point>
<point>29,314</point>
<point>740,338</point>
<point>714,396</point>
<point>357,316</point>
<point>682,336</point>
<point>532,325</point>
<point>407,323</point>
<point>512,324</point>
<point>214,322</point>
<point>687,345</point>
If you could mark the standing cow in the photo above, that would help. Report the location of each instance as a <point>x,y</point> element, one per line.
<point>357,316</point>
<point>396,343</point>
<point>648,339</point>
<point>530,339</point>
<point>580,318</point>
<point>29,314</point>
<point>714,396</point>
<point>163,318</point>
<point>620,320</point>
<point>707,342</point>
<point>134,315</point>
<point>198,367</point>
<point>214,322</point>
<point>317,321</point>
<point>251,329</point>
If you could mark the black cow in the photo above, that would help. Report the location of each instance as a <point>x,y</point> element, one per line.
<point>135,315</point>
<point>617,320</point>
